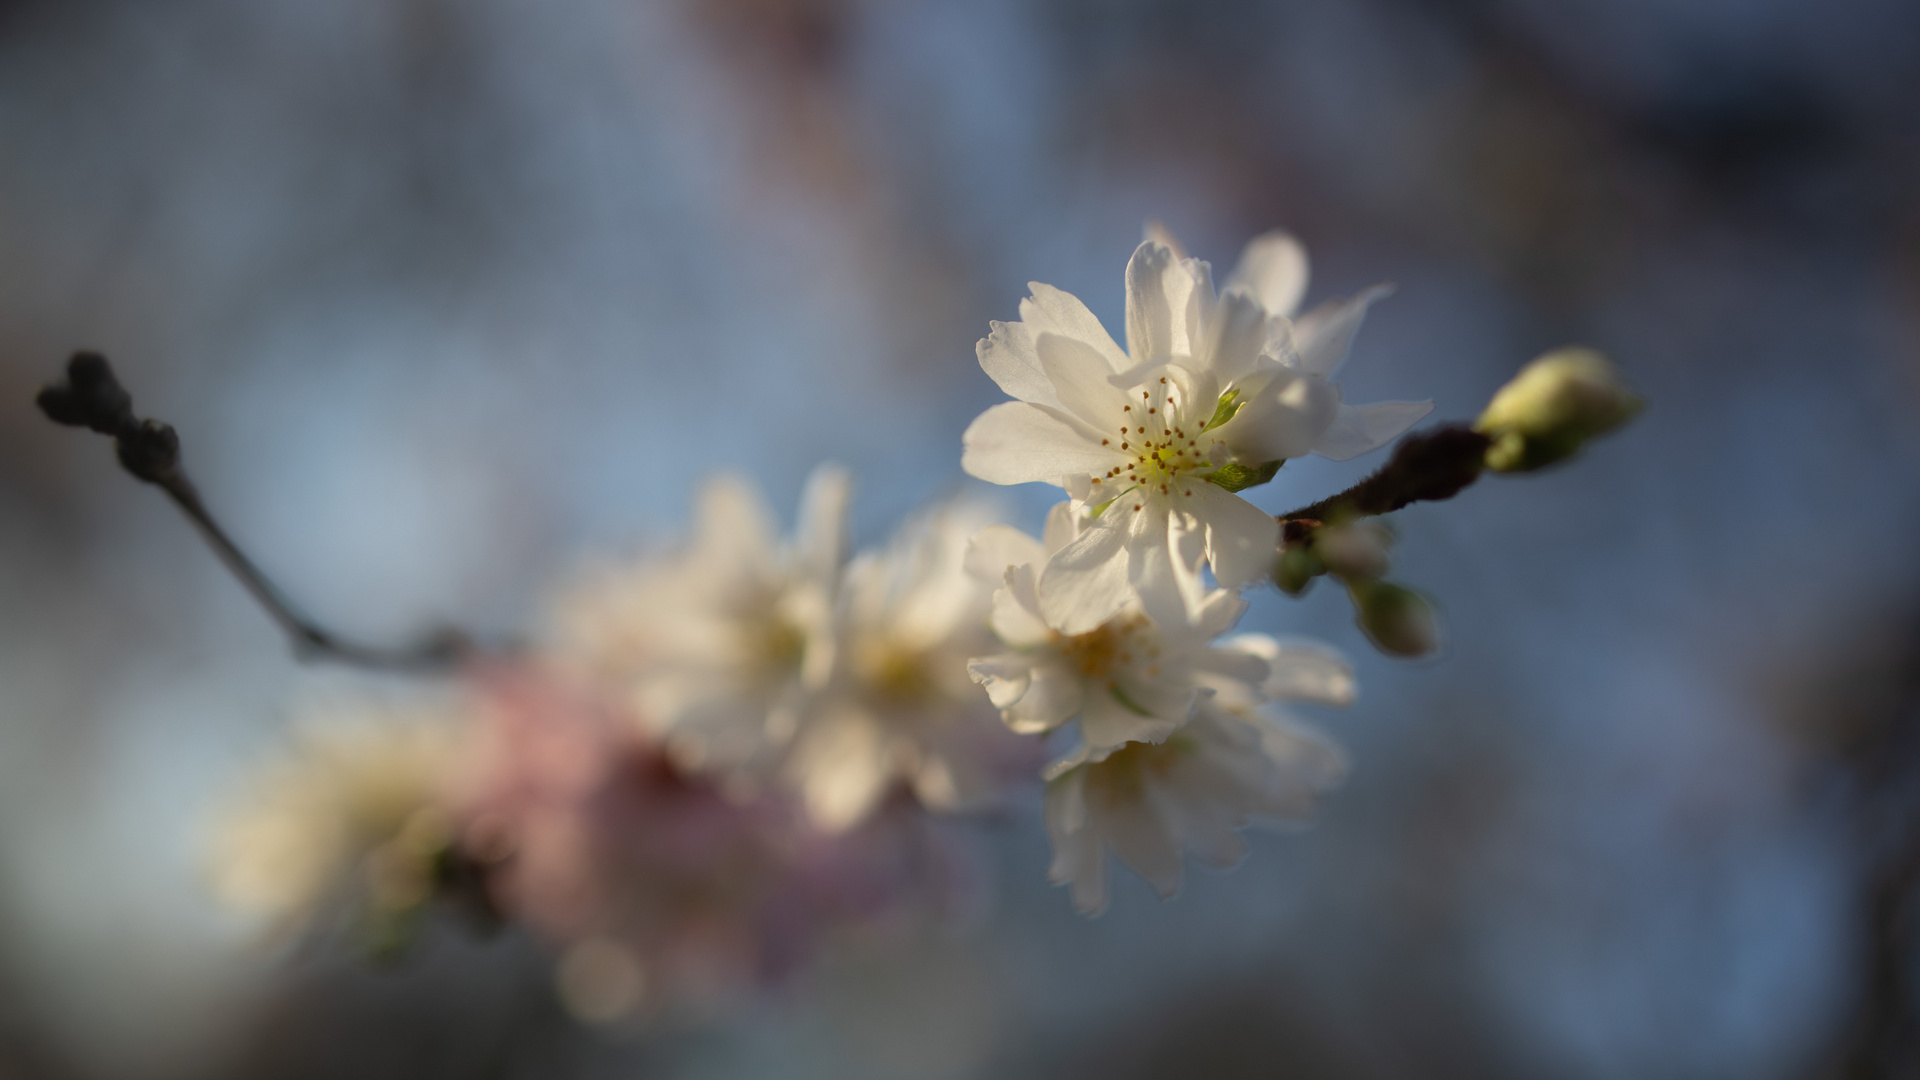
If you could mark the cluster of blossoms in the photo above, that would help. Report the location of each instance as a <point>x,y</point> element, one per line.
<point>725,751</point>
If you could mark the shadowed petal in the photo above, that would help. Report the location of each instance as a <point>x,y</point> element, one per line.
<point>1080,376</point>
<point>1019,443</point>
<point>1357,429</point>
<point>1085,583</point>
<point>1050,310</point>
<point>1324,336</point>
<point>1007,355</point>
<point>1241,538</point>
<point>1272,270</point>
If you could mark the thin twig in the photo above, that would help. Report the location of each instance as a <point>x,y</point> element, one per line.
<point>90,396</point>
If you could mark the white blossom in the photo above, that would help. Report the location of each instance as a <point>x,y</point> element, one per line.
<point>350,814</point>
<point>721,644</point>
<point>1134,678</point>
<point>1211,393</point>
<point>1230,765</point>
<point>899,708</point>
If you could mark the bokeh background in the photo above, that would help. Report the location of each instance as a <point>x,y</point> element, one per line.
<point>448,295</point>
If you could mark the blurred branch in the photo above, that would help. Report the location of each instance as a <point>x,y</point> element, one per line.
<point>1885,1039</point>
<point>90,396</point>
<point>1858,717</point>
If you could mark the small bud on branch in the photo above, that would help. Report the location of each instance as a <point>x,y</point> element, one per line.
<point>1553,408</point>
<point>90,396</point>
<point>1545,414</point>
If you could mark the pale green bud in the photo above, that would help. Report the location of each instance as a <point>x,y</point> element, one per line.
<point>1553,407</point>
<point>1398,621</point>
<point>1357,549</point>
<point>1298,566</point>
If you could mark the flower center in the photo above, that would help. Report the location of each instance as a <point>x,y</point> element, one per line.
<point>1110,645</point>
<point>1122,779</point>
<point>1165,444</point>
<point>775,646</point>
<point>895,674</point>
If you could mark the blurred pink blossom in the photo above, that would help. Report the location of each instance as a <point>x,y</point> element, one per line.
<point>661,890</point>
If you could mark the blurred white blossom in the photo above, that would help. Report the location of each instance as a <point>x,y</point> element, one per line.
<point>721,643</point>
<point>1233,763</point>
<point>1134,678</point>
<point>899,708</point>
<point>1210,395</point>
<point>349,816</point>
<point>659,891</point>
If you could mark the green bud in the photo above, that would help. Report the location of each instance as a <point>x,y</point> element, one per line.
<point>1297,568</point>
<point>1398,621</point>
<point>1553,407</point>
<point>1355,549</point>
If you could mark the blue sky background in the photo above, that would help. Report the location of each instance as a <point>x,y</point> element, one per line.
<point>445,298</point>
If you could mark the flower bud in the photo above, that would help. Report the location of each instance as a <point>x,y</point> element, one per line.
<point>1354,550</point>
<point>1398,621</point>
<point>1550,410</point>
<point>1299,564</point>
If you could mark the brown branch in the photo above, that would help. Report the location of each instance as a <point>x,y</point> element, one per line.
<point>91,397</point>
<point>1430,466</point>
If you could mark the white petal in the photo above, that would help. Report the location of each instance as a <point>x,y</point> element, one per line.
<point>1304,757</point>
<point>1283,418</point>
<point>1107,723</point>
<point>994,549</point>
<point>1356,429</point>
<point>1217,613</point>
<point>1085,583</point>
<point>1078,856</point>
<point>1238,337</point>
<point>733,526</point>
<point>840,768</point>
<point>1191,299</point>
<point>1053,697</point>
<point>938,785</point>
<point>1006,677</point>
<point>820,534</point>
<point>1019,443</point>
<point>1149,314</point>
<point>1273,270</point>
<point>1242,666</point>
<point>1080,376</point>
<point>1063,524</point>
<point>1073,760</point>
<point>1299,670</point>
<point>1324,336</point>
<point>1007,356</point>
<point>1049,310</point>
<point>1164,568</point>
<point>1137,834</point>
<point>1016,616</point>
<point>1242,540</point>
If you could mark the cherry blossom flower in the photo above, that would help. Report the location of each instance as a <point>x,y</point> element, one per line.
<point>659,891</point>
<point>1212,393</point>
<point>1133,678</point>
<point>348,819</point>
<point>721,643</point>
<point>899,707</point>
<point>1233,763</point>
